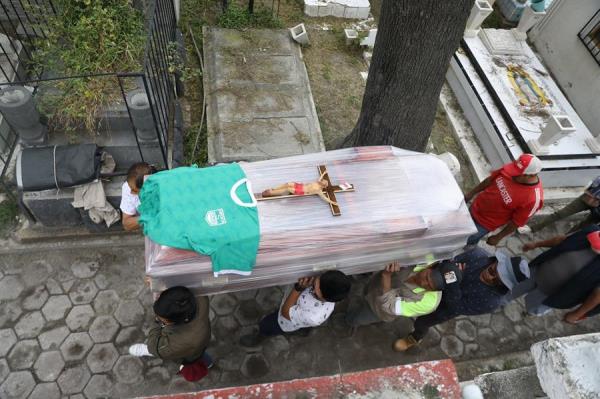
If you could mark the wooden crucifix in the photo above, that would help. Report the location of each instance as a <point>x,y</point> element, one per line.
<point>324,188</point>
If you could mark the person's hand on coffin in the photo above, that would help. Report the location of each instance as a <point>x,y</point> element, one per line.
<point>306,282</point>
<point>391,268</point>
<point>572,317</point>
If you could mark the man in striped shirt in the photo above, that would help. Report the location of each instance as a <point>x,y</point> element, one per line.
<point>507,199</point>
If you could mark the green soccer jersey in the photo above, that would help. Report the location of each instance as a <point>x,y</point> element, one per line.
<point>208,210</point>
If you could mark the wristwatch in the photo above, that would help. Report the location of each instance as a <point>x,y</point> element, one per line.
<point>298,287</point>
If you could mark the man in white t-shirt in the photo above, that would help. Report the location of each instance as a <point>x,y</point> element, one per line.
<point>130,201</point>
<point>309,303</point>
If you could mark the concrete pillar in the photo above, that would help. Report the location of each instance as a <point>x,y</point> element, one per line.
<point>350,35</point>
<point>369,41</point>
<point>480,11</point>
<point>141,115</point>
<point>177,6</point>
<point>299,34</point>
<point>528,19</point>
<point>558,127</point>
<point>18,108</point>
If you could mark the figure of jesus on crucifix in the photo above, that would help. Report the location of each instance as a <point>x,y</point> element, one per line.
<point>313,188</point>
<point>322,187</point>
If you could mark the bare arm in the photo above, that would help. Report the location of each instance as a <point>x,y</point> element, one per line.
<point>478,188</point>
<point>294,295</point>
<point>510,228</point>
<point>324,198</point>
<point>130,222</point>
<point>590,303</point>
<point>550,242</point>
<point>386,276</point>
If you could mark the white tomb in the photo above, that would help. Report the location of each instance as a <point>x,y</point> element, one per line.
<point>353,9</point>
<point>514,106</point>
<point>567,367</point>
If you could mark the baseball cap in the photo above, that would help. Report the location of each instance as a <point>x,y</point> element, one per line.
<point>446,273</point>
<point>594,240</point>
<point>511,270</point>
<point>526,164</point>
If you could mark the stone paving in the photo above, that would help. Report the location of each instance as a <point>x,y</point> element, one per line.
<point>68,317</point>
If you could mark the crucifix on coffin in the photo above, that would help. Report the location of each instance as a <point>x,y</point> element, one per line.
<point>322,187</point>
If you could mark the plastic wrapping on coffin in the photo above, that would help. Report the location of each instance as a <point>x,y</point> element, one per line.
<point>406,206</point>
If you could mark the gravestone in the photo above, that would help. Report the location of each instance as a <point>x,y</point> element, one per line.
<point>259,102</point>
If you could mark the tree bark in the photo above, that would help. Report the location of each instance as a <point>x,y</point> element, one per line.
<point>414,44</point>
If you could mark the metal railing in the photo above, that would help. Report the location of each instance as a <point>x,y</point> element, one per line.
<point>21,22</point>
<point>590,36</point>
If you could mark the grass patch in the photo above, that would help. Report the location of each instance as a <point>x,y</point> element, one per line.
<point>8,216</point>
<point>430,392</point>
<point>86,37</point>
<point>236,17</point>
<point>191,134</point>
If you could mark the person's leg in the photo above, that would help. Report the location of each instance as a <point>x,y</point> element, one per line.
<point>575,206</point>
<point>534,303</point>
<point>269,326</point>
<point>361,315</point>
<point>589,219</point>
<point>424,323</point>
<point>522,288</point>
<point>207,360</point>
<point>421,327</point>
<point>476,237</point>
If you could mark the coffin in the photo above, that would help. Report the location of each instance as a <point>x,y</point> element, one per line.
<point>405,206</point>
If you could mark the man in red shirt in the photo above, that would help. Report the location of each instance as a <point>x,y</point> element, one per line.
<point>508,197</point>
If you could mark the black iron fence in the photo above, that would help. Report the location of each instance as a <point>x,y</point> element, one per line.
<point>23,21</point>
<point>590,36</point>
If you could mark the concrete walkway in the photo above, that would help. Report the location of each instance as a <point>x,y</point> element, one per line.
<point>67,318</point>
<point>258,99</point>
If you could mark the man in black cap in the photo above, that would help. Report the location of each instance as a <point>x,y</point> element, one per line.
<point>486,285</point>
<point>404,292</point>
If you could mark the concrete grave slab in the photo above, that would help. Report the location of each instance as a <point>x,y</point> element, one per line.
<point>259,102</point>
<point>567,367</point>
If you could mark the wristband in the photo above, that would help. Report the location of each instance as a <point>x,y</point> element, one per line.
<point>298,287</point>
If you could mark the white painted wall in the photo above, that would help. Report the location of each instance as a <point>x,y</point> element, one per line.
<point>572,65</point>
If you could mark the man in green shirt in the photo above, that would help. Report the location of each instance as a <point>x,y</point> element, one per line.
<point>406,292</point>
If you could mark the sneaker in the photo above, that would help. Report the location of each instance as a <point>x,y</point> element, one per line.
<point>139,350</point>
<point>251,340</point>
<point>207,360</point>
<point>406,343</point>
<point>524,230</point>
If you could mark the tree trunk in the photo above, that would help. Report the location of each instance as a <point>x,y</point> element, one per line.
<point>414,44</point>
